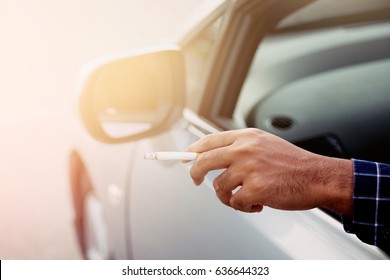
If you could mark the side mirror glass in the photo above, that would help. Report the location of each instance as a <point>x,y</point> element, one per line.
<point>130,96</point>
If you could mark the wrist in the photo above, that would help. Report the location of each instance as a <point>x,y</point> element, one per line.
<point>337,189</point>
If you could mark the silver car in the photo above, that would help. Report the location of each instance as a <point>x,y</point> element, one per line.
<point>313,72</point>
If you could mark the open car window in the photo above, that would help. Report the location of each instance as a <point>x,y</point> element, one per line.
<point>286,58</point>
<point>333,12</point>
<point>319,28</point>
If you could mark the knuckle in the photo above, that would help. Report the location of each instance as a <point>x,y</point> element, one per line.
<point>220,181</point>
<point>224,197</point>
<point>235,202</point>
<point>216,184</point>
<point>253,132</point>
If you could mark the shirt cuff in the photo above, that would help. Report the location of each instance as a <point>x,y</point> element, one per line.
<point>369,201</point>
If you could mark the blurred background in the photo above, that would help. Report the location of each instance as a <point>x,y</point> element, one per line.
<point>43,44</point>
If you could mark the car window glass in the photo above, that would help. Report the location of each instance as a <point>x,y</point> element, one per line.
<point>303,42</point>
<point>197,54</point>
<point>285,58</point>
<point>328,9</point>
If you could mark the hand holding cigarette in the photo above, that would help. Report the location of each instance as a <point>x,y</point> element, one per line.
<point>261,169</point>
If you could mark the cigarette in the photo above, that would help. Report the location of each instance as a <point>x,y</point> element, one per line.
<point>171,156</point>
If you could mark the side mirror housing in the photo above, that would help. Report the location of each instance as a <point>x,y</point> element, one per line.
<point>130,96</point>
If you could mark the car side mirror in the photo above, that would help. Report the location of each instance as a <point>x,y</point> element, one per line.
<point>131,96</point>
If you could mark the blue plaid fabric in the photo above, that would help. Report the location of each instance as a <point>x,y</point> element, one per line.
<point>371,202</point>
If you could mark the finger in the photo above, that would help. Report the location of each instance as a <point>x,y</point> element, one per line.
<point>249,209</point>
<point>224,184</point>
<point>224,196</point>
<point>256,208</point>
<point>213,141</point>
<point>244,200</point>
<point>228,180</point>
<point>186,161</point>
<point>207,161</point>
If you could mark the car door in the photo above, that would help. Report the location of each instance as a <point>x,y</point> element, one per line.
<point>168,217</point>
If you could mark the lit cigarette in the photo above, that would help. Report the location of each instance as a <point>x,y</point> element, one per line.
<point>171,156</point>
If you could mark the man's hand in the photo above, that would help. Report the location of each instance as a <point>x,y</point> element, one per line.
<point>269,171</point>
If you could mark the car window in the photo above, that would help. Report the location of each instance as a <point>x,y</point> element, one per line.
<point>321,37</point>
<point>197,55</point>
<point>330,11</point>
<point>286,58</point>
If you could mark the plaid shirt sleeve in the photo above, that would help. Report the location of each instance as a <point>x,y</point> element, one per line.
<point>371,202</point>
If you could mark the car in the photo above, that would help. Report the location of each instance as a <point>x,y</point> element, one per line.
<point>315,73</point>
